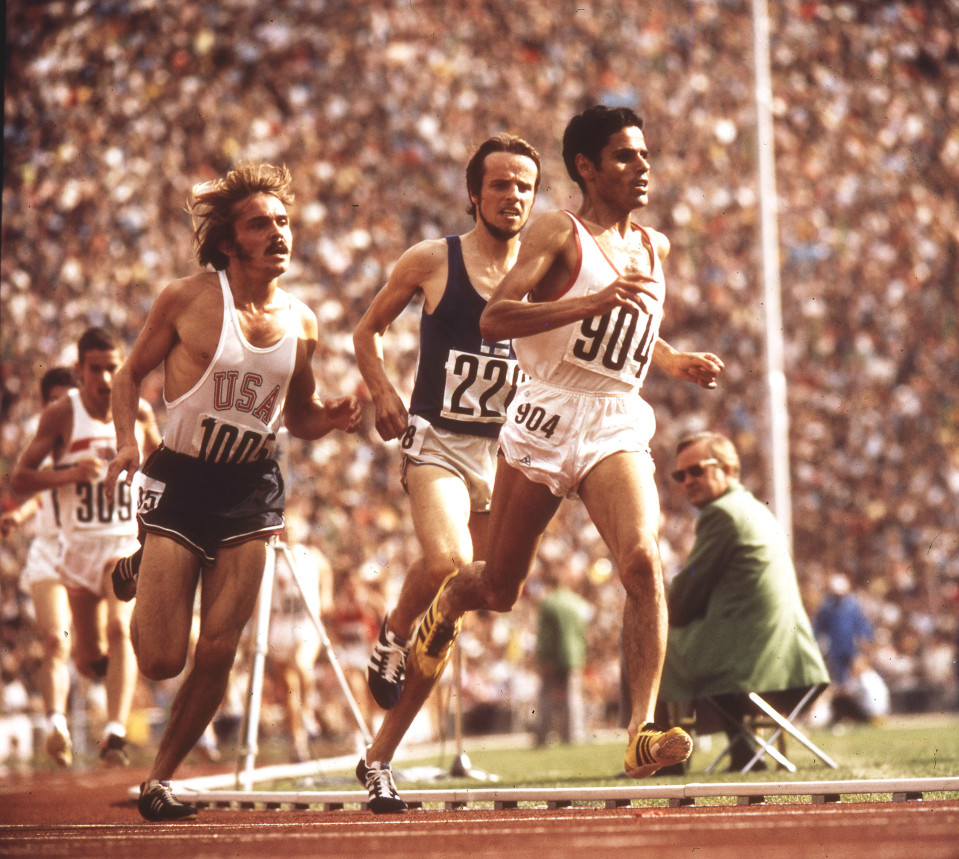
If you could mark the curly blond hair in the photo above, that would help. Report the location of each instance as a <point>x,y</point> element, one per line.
<point>213,205</point>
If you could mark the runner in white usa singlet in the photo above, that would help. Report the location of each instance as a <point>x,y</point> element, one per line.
<point>233,412</point>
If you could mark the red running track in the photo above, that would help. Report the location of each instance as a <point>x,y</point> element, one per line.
<point>88,814</point>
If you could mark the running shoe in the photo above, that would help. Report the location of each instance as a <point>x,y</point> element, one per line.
<point>377,778</point>
<point>60,748</point>
<point>114,752</point>
<point>124,576</point>
<point>387,668</point>
<point>158,804</point>
<point>433,642</point>
<point>652,748</point>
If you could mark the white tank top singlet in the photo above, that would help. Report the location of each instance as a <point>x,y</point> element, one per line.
<point>608,353</point>
<point>233,413</point>
<point>83,507</point>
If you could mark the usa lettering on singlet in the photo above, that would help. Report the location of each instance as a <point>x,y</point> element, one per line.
<point>233,413</point>
<point>463,383</point>
<point>610,352</point>
<point>83,505</point>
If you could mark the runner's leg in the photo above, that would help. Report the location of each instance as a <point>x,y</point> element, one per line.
<point>519,515</point>
<point>621,497</point>
<point>52,609</point>
<point>228,595</point>
<point>440,508</point>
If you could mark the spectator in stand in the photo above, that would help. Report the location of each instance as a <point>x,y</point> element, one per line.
<point>841,627</point>
<point>864,697</point>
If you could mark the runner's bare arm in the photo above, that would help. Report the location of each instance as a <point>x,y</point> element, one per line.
<point>701,368</point>
<point>546,259</point>
<point>414,268</point>
<point>28,475</point>
<point>305,415</point>
<point>149,428</point>
<point>153,344</point>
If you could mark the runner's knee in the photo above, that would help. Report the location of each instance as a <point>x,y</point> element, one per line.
<point>160,666</point>
<point>91,664</point>
<point>158,660</point>
<point>215,653</point>
<point>56,644</point>
<point>439,567</point>
<point>641,566</point>
<point>502,598</point>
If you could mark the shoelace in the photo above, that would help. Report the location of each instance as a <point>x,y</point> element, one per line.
<point>391,661</point>
<point>380,782</point>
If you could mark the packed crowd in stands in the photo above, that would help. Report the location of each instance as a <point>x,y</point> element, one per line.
<point>114,110</point>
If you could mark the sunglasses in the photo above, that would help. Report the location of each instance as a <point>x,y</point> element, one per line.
<point>697,470</point>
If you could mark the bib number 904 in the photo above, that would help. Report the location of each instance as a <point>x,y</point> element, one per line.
<point>612,341</point>
<point>536,419</point>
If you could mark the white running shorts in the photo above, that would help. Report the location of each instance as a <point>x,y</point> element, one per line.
<point>472,458</point>
<point>85,561</point>
<point>41,562</point>
<point>556,436</point>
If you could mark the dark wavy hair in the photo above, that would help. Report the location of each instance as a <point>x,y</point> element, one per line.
<point>97,339</point>
<point>55,377</point>
<point>588,132</point>
<point>212,206</point>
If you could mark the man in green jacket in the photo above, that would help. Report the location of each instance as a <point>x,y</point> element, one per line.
<point>562,620</point>
<point>736,617</point>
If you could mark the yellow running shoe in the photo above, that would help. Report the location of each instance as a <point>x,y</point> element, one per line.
<point>433,642</point>
<point>652,749</point>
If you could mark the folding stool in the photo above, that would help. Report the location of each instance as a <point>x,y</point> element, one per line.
<point>771,710</point>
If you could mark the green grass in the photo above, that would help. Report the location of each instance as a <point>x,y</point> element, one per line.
<point>917,748</point>
<point>904,747</point>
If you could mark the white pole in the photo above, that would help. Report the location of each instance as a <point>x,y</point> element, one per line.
<point>327,645</point>
<point>246,759</point>
<point>768,208</point>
